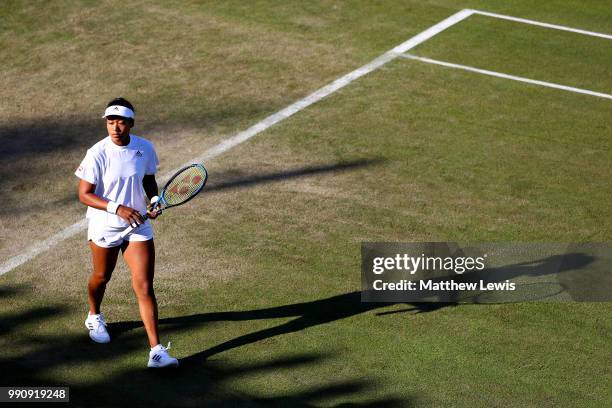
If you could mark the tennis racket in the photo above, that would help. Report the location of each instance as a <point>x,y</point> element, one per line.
<point>182,187</point>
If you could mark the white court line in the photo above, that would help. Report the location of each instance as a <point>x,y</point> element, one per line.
<point>539,23</point>
<point>506,76</point>
<point>243,136</point>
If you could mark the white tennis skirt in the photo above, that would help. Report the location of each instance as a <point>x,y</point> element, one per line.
<point>108,237</point>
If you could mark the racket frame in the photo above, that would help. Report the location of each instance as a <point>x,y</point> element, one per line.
<point>162,201</point>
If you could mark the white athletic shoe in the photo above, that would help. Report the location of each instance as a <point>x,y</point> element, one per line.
<point>159,357</point>
<point>97,328</point>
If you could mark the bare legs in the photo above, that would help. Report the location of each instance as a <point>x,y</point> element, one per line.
<point>104,261</point>
<point>140,258</point>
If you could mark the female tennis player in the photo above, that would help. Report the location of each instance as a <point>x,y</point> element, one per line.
<point>115,175</point>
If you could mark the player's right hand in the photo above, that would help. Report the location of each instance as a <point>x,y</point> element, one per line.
<point>133,217</point>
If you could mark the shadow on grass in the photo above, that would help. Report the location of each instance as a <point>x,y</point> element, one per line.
<point>12,290</point>
<point>10,321</point>
<point>552,266</point>
<point>8,172</point>
<point>38,135</point>
<point>322,311</point>
<point>205,385</point>
<point>544,278</point>
<point>307,314</point>
<point>248,181</point>
<point>115,375</point>
<point>33,160</point>
<point>48,135</point>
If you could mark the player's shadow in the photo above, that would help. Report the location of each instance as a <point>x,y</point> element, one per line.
<point>305,314</point>
<point>554,265</point>
<point>323,311</point>
<point>538,289</point>
<point>232,180</point>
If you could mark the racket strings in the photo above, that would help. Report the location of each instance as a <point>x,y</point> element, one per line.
<point>184,185</point>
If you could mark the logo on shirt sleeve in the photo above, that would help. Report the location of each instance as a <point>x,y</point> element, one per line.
<point>138,153</point>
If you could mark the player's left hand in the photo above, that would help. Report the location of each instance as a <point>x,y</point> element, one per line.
<point>153,214</point>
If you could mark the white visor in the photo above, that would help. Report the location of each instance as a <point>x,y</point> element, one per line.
<point>117,110</point>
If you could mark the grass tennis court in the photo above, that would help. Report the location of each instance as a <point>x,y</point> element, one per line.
<point>258,278</point>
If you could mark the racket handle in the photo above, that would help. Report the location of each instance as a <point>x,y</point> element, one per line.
<point>127,232</point>
<point>131,229</point>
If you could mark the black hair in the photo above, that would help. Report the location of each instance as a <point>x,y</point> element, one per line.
<point>123,102</point>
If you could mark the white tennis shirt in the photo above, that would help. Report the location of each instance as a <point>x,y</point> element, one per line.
<point>117,172</point>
